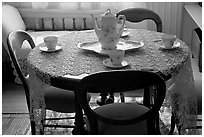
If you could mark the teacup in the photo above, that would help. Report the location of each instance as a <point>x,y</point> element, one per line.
<point>51,42</point>
<point>116,56</point>
<point>168,40</point>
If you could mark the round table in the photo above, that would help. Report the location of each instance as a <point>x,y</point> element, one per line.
<point>72,63</point>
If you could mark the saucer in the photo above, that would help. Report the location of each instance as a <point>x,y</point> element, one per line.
<point>176,45</point>
<point>44,48</point>
<point>108,63</point>
<point>126,45</point>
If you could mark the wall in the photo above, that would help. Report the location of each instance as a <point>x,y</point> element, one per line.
<point>171,14</point>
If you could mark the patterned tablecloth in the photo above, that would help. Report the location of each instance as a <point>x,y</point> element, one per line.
<point>74,61</point>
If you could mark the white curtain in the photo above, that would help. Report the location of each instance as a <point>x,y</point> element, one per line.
<point>87,5</point>
<point>77,5</point>
<point>114,6</point>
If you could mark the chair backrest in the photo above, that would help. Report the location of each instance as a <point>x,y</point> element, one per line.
<point>14,42</point>
<point>136,15</point>
<point>120,81</point>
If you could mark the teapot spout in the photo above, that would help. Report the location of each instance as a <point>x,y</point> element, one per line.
<point>97,30</point>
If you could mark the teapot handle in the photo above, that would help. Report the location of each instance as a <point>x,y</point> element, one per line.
<point>122,27</point>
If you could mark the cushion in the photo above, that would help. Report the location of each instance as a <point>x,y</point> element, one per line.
<point>60,100</point>
<point>122,111</point>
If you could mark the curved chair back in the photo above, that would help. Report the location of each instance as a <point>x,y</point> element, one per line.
<point>121,81</point>
<point>14,45</point>
<point>139,14</point>
<point>64,99</point>
<point>15,41</point>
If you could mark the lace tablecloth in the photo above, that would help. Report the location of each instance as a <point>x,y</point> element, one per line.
<point>74,61</point>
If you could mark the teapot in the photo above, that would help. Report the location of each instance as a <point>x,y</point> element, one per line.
<point>109,32</point>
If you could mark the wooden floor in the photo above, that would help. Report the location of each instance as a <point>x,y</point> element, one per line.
<point>15,124</point>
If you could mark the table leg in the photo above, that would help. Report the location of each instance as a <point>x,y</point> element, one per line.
<point>102,100</point>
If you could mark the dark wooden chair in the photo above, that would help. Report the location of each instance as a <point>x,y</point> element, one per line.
<point>123,118</point>
<point>136,15</point>
<point>56,99</point>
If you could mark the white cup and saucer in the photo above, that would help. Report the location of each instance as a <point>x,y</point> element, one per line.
<point>126,32</point>
<point>50,44</point>
<point>169,42</point>
<point>116,59</point>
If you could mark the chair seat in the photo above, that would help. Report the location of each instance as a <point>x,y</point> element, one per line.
<point>59,100</point>
<point>121,111</point>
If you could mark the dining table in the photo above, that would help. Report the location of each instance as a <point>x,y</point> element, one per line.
<point>76,59</point>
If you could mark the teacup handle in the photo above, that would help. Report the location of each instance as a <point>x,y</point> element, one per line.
<point>122,27</point>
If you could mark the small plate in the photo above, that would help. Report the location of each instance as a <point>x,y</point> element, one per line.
<point>176,45</point>
<point>108,63</point>
<point>44,48</point>
<point>126,45</point>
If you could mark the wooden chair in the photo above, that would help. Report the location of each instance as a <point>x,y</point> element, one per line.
<point>64,101</point>
<point>136,15</point>
<point>122,118</point>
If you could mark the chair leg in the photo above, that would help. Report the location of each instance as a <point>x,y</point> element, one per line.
<point>32,123</point>
<point>33,130</point>
<point>147,100</point>
<point>179,130</point>
<point>173,123</point>
<point>157,124</point>
<point>42,130</point>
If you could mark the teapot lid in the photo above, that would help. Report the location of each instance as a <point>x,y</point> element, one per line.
<point>108,13</point>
